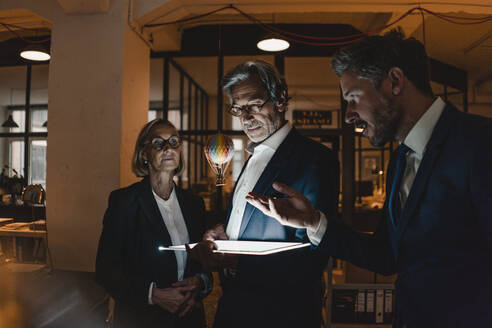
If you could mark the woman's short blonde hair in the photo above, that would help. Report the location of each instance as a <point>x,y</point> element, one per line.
<point>139,164</point>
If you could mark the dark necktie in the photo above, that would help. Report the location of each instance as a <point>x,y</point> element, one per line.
<point>394,206</point>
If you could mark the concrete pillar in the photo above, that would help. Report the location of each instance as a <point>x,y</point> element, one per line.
<point>135,95</point>
<point>98,101</point>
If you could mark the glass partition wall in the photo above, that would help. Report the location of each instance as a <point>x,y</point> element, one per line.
<point>178,97</point>
<point>316,109</point>
<point>200,75</point>
<point>24,103</point>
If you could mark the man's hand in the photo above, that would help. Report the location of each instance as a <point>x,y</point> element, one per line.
<point>203,252</point>
<point>198,283</point>
<point>172,299</point>
<point>294,211</point>
<point>217,232</point>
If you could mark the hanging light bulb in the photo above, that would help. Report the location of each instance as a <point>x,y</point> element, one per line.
<point>218,151</point>
<point>35,52</point>
<point>273,44</point>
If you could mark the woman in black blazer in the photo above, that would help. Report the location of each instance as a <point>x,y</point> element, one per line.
<point>153,288</point>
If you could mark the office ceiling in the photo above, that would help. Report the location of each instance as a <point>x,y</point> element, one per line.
<point>468,47</point>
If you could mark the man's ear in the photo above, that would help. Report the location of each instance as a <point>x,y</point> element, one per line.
<point>397,78</point>
<point>281,105</point>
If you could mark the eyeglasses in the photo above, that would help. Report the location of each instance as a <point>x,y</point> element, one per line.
<point>159,143</point>
<point>239,110</point>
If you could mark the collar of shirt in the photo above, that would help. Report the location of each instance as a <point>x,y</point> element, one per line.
<point>419,135</point>
<point>167,203</point>
<point>273,141</point>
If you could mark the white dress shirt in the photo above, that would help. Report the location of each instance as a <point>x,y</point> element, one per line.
<point>262,153</point>
<point>416,140</point>
<point>176,227</point>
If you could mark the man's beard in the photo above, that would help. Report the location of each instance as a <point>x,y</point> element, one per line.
<point>269,127</point>
<point>252,124</point>
<point>385,124</point>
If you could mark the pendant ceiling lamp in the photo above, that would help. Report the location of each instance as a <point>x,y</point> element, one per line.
<point>35,52</point>
<point>273,43</point>
<point>10,123</point>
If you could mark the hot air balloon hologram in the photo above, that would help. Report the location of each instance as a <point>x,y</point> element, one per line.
<point>218,151</point>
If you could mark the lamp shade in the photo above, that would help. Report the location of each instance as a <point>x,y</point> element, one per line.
<point>272,44</point>
<point>10,123</point>
<point>35,52</point>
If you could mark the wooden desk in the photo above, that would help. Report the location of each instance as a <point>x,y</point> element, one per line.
<point>23,212</point>
<point>40,236</point>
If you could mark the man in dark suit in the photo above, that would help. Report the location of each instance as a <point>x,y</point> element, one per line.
<point>281,290</point>
<point>436,229</point>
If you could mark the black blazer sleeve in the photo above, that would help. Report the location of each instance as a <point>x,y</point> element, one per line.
<point>200,217</point>
<point>112,256</point>
<point>321,182</point>
<point>372,252</point>
<point>196,230</point>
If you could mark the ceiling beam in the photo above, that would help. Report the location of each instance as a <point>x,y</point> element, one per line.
<point>84,6</point>
<point>167,38</point>
<point>153,11</point>
<point>478,42</point>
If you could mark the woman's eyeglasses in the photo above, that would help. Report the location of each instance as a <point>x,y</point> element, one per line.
<point>159,143</point>
<point>239,110</point>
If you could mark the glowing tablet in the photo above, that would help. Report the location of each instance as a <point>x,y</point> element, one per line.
<point>245,247</point>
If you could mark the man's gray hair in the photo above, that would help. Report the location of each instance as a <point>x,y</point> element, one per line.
<point>271,81</point>
<point>373,56</point>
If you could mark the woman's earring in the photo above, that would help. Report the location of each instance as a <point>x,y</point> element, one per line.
<point>146,162</point>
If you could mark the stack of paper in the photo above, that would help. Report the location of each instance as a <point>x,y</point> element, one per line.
<point>4,221</point>
<point>15,225</point>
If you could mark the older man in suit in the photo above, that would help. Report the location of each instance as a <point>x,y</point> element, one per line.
<point>281,290</point>
<point>436,229</point>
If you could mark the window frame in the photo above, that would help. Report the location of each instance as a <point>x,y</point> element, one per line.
<point>27,135</point>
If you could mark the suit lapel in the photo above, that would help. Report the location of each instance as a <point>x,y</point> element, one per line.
<point>441,131</point>
<point>151,211</point>
<point>269,175</point>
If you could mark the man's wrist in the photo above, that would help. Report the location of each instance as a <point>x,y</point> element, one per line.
<point>207,285</point>
<point>201,281</point>
<point>316,235</point>
<point>314,221</point>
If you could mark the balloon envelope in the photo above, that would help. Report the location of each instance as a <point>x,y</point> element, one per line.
<point>219,149</point>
